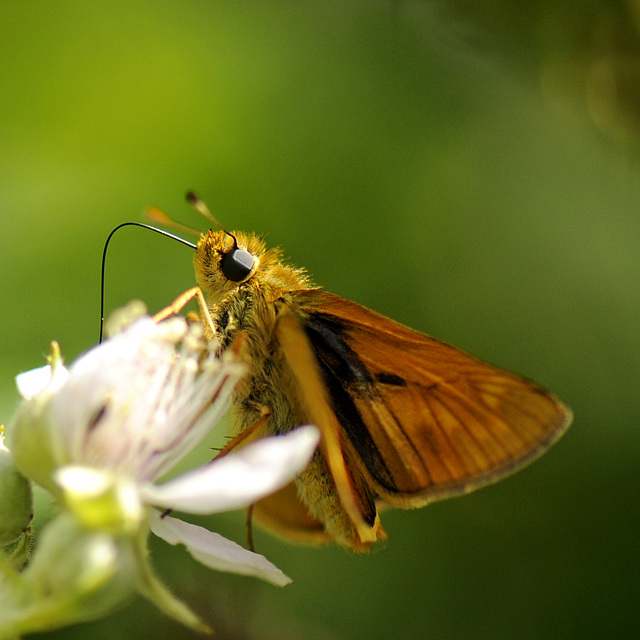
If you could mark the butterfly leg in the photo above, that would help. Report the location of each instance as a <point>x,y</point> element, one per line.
<point>251,433</point>
<point>179,303</point>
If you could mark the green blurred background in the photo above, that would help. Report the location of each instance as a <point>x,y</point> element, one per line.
<point>470,169</point>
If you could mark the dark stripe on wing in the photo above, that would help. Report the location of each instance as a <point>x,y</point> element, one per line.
<point>345,374</point>
<point>391,378</point>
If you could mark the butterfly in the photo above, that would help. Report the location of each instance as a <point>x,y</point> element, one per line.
<point>405,419</point>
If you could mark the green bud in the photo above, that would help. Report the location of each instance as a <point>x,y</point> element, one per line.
<point>75,575</point>
<point>16,501</point>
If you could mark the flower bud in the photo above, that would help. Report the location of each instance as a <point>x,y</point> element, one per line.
<point>16,501</point>
<point>76,574</point>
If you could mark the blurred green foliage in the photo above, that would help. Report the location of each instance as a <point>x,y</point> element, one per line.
<point>470,169</point>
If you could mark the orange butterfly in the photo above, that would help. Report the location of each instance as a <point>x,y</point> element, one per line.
<point>405,419</point>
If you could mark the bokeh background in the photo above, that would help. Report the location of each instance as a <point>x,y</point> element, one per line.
<point>470,169</point>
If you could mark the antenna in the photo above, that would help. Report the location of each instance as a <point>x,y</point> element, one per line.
<point>204,211</point>
<point>104,256</point>
<point>153,214</point>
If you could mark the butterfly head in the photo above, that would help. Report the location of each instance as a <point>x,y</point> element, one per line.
<point>235,262</point>
<point>224,261</point>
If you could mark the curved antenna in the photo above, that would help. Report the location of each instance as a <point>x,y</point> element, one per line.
<point>204,211</point>
<point>104,258</point>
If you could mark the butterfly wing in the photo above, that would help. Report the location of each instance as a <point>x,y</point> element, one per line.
<point>284,514</point>
<point>424,419</point>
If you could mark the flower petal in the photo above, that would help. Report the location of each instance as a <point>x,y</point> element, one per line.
<point>215,551</point>
<point>240,478</point>
<point>31,383</point>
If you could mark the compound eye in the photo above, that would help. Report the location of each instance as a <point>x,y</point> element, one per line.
<point>237,265</point>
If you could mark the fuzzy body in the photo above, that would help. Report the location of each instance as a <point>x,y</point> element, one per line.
<point>252,306</point>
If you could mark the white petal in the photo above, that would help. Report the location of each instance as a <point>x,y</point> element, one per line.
<point>240,478</point>
<point>215,551</point>
<point>84,480</point>
<point>31,383</point>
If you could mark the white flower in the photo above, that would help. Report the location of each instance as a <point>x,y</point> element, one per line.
<point>101,434</point>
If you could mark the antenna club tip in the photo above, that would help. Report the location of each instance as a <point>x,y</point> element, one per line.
<point>201,208</point>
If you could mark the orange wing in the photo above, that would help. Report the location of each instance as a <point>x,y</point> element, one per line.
<point>425,420</point>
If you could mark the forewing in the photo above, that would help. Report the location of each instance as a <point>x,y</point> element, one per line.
<point>352,491</point>
<point>426,420</point>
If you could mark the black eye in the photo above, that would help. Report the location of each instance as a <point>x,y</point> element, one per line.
<point>237,265</point>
